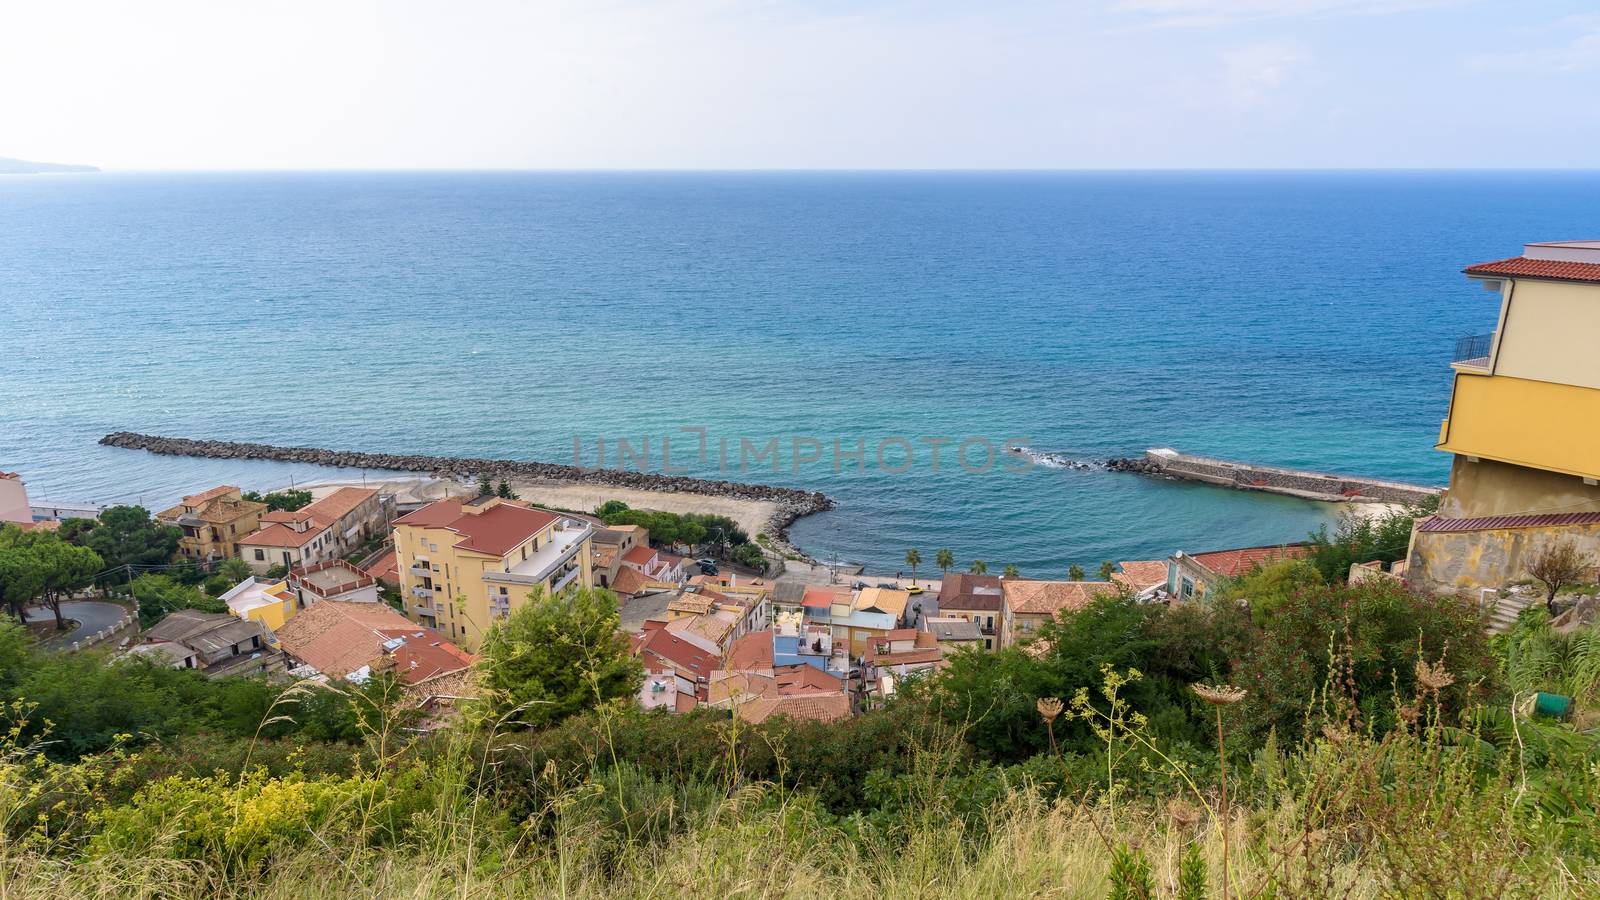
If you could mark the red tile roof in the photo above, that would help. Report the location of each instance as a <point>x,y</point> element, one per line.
<point>1522,267</point>
<point>279,535</point>
<point>338,637</point>
<point>806,680</point>
<point>824,597</point>
<point>663,645</point>
<point>495,531</point>
<point>961,591</point>
<point>751,652</point>
<point>1491,523</point>
<point>386,568</point>
<point>1230,563</point>
<point>1141,573</point>
<point>817,707</point>
<point>629,581</point>
<point>639,556</point>
<point>424,656</point>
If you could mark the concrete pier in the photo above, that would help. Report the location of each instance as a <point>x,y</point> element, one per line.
<point>1273,479</point>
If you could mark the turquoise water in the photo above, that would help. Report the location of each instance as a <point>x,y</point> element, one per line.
<point>1301,319</point>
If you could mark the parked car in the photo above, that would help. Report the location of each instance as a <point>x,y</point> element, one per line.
<point>707,567</point>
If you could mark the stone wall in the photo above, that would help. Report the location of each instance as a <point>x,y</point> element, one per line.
<point>1470,560</point>
<point>792,503</point>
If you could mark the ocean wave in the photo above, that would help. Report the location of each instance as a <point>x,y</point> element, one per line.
<point>1055,460</point>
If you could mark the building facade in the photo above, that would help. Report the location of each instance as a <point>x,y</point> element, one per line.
<point>326,529</point>
<point>464,565</point>
<point>1523,425</point>
<point>213,522</point>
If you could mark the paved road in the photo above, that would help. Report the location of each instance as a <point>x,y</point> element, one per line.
<point>91,615</point>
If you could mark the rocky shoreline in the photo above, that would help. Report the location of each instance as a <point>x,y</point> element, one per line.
<point>792,504</point>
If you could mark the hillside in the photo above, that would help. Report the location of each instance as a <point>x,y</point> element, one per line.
<point>9,166</point>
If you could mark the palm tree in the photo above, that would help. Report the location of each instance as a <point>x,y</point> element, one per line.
<point>1075,572</point>
<point>1011,571</point>
<point>1106,568</point>
<point>913,559</point>
<point>979,567</point>
<point>944,559</point>
<point>235,569</point>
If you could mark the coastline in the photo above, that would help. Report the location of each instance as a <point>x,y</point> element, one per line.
<point>769,508</point>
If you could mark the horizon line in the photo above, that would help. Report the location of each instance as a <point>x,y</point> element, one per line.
<point>101,170</point>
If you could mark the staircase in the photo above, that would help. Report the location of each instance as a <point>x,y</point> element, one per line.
<point>1503,611</point>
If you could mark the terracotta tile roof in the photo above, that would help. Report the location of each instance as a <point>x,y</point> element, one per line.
<point>740,687</point>
<point>712,627</point>
<point>495,531</point>
<point>279,535</point>
<point>385,568</point>
<point>1522,267</point>
<point>822,597</point>
<point>1491,523</point>
<point>816,707</point>
<point>639,556</point>
<point>218,491</point>
<point>425,656</point>
<point>793,680</point>
<point>339,504</point>
<point>885,600</point>
<point>663,645</point>
<point>1141,573</point>
<point>964,590</point>
<point>338,637</point>
<point>1047,598</point>
<point>629,581</point>
<point>1230,563</point>
<point>605,556</point>
<point>751,652</point>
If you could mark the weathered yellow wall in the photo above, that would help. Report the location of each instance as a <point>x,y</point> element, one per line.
<point>1528,423</point>
<point>1548,333</point>
<point>1468,560</point>
<point>1489,488</point>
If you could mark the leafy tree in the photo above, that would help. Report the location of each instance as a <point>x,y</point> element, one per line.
<point>913,559</point>
<point>1266,588</point>
<point>945,560</point>
<point>280,501</point>
<point>556,656</point>
<point>979,567</point>
<point>1360,539</point>
<point>217,585</point>
<point>1074,572</point>
<point>39,565</point>
<point>1012,571</point>
<point>751,556</point>
<point>234,569</point>
<point>1557,565</point>
<point>278,571</point>
<point>606,510</point>
<point>1107,569</point>
<point>128,535</point>
<point>1362,639</point>
<point>159,595</point>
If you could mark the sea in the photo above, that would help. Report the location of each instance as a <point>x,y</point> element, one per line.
<point>822,330</point>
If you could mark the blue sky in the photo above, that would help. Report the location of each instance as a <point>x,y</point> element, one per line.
<point>358,84</point>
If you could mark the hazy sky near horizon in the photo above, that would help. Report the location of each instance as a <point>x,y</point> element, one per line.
<point>356,84</point>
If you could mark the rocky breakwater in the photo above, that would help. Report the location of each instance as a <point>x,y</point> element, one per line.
<point>791,503</point>
<point>1319,486</point>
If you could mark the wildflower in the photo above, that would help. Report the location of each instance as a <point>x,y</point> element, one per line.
<point>1182,814</point>
<point>1219,694</point>
<point>1049,708</point>
<point>1434,677</point>
<point>1335,735</point>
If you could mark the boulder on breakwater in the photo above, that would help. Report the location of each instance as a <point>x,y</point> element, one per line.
<point>792,503</point>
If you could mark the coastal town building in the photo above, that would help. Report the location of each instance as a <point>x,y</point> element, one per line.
<point>609,544</point>
<point>1146,579</point>
<point>214,522</point>
<point>385,569</point>
<point>465,565</point>
<point>1030,604</point>
<point>1523,425</point>
<point>262,600</point>
<point>326,529</point>
<point>332,580</point>
<point>954,633</point>
<point>678,670</point>
<point>62,510</point>
<point>1191,575</point>
<point>14,505</point>
<point>218,644</point>
<point>356,640</point>
<point>976,598</point>
<point>900,653</point>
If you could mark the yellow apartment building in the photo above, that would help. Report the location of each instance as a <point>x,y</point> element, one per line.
<point>213,522</point>
<point>464,565</point>
<point>1523,424</point>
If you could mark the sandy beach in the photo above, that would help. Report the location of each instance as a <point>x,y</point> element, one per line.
<point>752,515</point>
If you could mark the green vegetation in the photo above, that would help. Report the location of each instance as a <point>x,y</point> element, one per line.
<point>159,595</point>
<point>38,566</point>
<point>1360,539</point>
<point>694,530</point>
<point>1075,572</point>
<point>280,501</point>
<point>1349,741</point>
<point>125,536</point>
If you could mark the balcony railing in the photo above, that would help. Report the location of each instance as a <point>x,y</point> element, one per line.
<point>1474,350</point>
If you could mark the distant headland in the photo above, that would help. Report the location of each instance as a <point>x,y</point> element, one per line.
<point>9,166</point>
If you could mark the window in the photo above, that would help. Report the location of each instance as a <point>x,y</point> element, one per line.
<point>1188,589</point>
<point>261,556</point>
